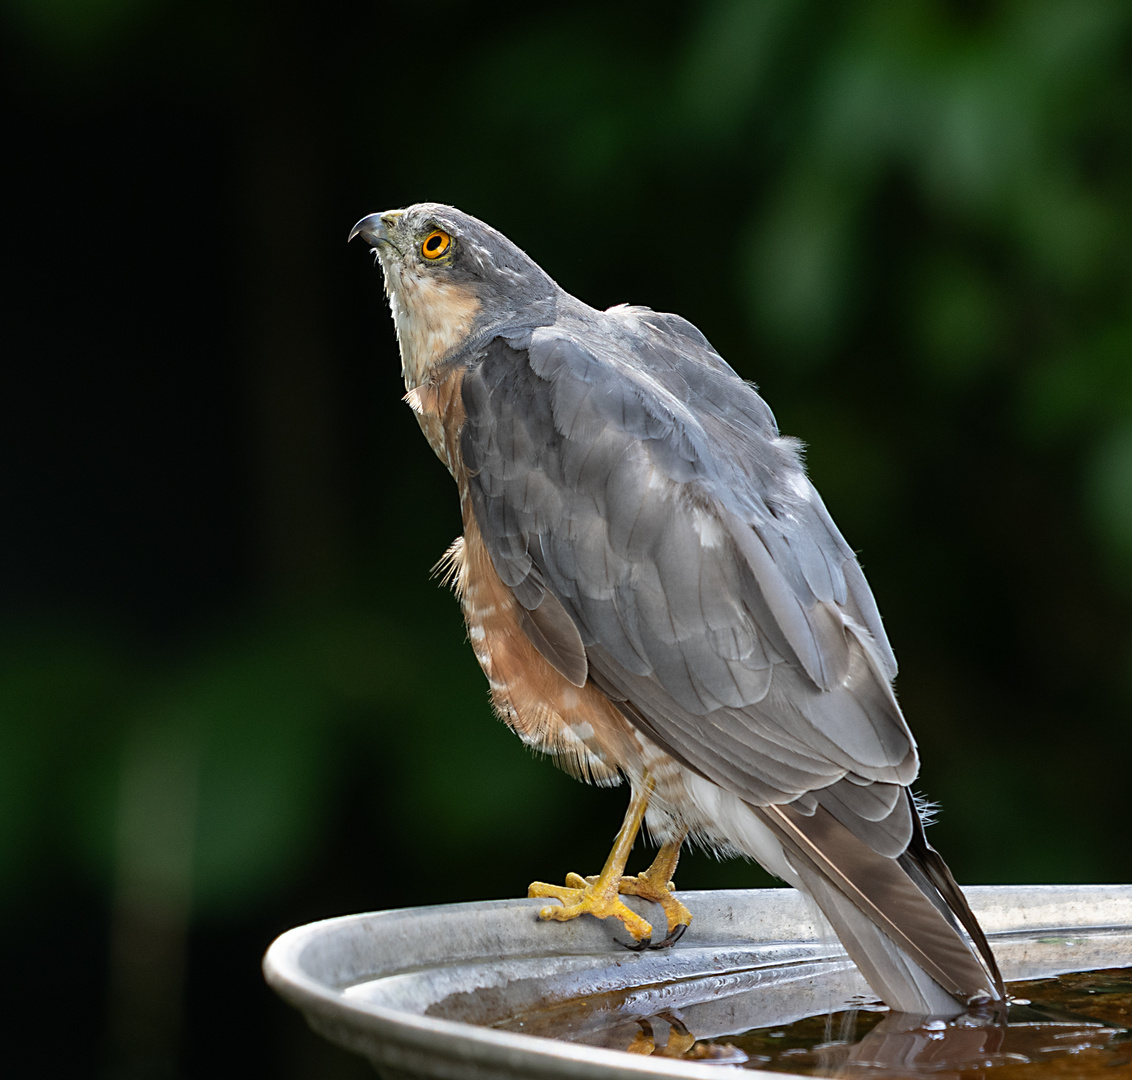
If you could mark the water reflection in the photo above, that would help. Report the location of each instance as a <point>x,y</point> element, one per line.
<point>1074,1025</point>
<point>680,1042</point>
<point>901,1046</point>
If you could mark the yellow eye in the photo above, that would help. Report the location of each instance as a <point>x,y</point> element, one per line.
<point>436,244</point>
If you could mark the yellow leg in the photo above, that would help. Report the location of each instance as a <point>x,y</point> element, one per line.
<point>656,884</point>
<point>599,895</point>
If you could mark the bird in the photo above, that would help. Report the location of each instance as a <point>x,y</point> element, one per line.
<point>657,595</point>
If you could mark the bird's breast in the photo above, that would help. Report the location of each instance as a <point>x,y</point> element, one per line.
<point>579,726</point>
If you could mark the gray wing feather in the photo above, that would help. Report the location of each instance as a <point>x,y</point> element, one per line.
<point>556,636</point>
<point>636,479</point>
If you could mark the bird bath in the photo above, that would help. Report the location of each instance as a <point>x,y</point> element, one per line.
<point>488,990</point>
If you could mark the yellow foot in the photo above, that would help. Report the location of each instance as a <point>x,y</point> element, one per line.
<point>592,896</point>
<point>655,884</point>
<point>600,895</point>
<point>643,1043</point>
<point>659,891</point>
<point>680,1040</point>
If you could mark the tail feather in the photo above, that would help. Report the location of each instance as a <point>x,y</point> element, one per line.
<point>902,983</point>
<point>900,926</point>
<point>921,854</point>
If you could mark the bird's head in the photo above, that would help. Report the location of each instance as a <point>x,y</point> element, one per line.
<point>448,277</point>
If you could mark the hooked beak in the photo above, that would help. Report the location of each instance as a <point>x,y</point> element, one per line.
<point>373,229</point>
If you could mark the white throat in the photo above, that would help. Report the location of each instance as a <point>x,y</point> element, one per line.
<point>432,317</point>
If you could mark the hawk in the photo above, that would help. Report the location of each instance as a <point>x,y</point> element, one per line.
<point>656,593</point>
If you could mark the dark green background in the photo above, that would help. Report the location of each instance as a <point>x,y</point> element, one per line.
<point>231,699</point>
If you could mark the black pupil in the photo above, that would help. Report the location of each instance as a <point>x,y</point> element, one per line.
<point>434,242</point>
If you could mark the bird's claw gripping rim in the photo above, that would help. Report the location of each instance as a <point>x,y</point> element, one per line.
<point>602,899</point>
<point>592,896</point>
<point>600,895</point>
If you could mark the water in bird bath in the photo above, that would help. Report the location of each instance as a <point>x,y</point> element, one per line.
<point>1074,1025</point>
<point>1070,1026</point>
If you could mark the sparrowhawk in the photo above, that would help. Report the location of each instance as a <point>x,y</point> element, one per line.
<point>656,593</point>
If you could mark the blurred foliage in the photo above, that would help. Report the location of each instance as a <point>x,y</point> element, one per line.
<point>226,684</point>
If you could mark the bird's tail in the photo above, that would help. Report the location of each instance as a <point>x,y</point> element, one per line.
<point>902,920</point>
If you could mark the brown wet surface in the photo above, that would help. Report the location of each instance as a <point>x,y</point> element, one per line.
<point>1071,1026</point>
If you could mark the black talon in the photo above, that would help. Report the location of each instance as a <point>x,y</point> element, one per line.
<point>640,946</point>
<point>672,938</point>
<point>674,1020</point>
